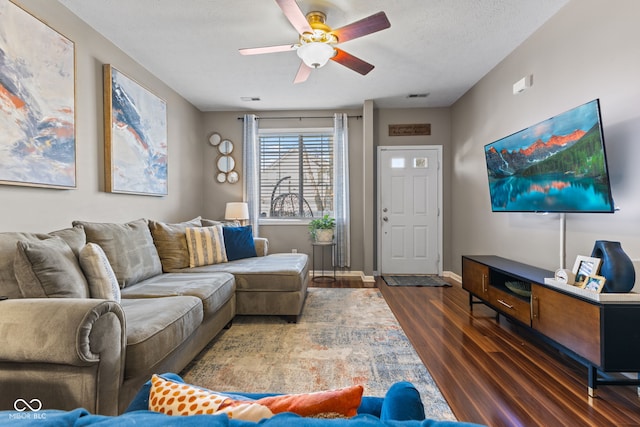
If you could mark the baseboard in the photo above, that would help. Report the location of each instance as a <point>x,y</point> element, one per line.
<point>451,275</point>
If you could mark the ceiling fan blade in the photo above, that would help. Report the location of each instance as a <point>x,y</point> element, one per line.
<point>295,16</point>
<point>368,25</point>
<point>266,49</point>
<point>303,73</point>
<point>350,61</point>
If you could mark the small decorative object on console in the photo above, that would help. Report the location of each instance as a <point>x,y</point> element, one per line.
<point>617,267</point>
<point>566,276</point>
<point>519,288</point>
<point>585,266</point>
<point>594,283</point>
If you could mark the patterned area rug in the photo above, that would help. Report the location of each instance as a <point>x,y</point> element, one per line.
<point>344,337</point>
<point>415,281</point>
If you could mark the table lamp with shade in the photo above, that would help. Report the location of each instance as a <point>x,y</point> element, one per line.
<point>237,211</point>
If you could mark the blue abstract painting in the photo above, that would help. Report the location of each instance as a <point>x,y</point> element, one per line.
<point>37,102</point>
<point>136,137</point>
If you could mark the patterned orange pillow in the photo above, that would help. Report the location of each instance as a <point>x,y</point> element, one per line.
<point>173,398</point>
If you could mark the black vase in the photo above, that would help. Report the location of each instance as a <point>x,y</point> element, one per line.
<point>616,267</point>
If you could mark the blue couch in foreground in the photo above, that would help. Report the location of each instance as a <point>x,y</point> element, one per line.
<point>401,407</point>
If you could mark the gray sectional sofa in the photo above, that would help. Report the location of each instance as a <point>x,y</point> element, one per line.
<point>64,349</point>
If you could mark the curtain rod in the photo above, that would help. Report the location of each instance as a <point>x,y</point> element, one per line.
<point>299,117</point>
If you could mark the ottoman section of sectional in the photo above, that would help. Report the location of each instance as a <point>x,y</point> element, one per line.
<point>271,273</point>
<point>269,285</point>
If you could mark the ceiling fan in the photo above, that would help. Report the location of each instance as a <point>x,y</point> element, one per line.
<point>316,44</point>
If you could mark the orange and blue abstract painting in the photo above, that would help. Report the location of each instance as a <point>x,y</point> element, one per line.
<point>37,102</point>
<point>138,138</point>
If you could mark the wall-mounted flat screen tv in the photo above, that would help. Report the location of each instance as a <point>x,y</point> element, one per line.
<point>558,165</point>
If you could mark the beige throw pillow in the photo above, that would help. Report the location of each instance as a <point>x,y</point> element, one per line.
<point>49,268</point>
<point>103,283</point>
<point>171,242</point>
<point>206,246</point>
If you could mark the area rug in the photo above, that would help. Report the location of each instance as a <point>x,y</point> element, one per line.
<point>415,281</point>
<point>344,337</point>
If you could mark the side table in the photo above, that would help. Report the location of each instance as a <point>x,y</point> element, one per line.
<point>321,247</point>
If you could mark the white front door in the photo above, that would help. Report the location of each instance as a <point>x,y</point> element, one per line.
<point>409,203</point>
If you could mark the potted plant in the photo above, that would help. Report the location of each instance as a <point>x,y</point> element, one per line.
<point>322,229</point>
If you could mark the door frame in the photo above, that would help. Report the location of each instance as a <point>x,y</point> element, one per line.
<point>377,216</point>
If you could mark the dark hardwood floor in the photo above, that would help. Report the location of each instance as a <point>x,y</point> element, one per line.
<point>497,373</point>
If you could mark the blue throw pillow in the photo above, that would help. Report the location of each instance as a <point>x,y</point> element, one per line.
<point>402,402</point>
<point>239,242</point>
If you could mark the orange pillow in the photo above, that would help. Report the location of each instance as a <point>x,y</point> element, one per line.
<point>344,401</point>
<point>174,398</point>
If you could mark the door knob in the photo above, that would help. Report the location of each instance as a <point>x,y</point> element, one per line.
<point>384,209</point>
<point>385,219</point>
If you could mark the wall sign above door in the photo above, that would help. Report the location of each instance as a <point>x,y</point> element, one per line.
<point>410,129</point>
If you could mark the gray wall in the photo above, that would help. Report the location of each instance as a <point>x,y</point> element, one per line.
<point>38,209</point>
<point>588,50</point>
<point>440,120</point>
<point>283,238</point>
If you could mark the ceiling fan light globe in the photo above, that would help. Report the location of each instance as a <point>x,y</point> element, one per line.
<point>315,54</point>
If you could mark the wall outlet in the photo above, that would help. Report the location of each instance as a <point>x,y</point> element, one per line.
<point>294,251</point>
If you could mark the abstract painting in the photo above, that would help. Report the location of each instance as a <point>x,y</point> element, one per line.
<point>135,127</point>
<point>37,102</point>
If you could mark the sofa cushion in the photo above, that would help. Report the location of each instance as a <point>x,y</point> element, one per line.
<point>225,223</point>
<point>238,242</point>
<point>206,246</point>
<point>129,248</point>
<point>156,327</point>
<point>214,290</point>
<point>103,283</point>
<point>8,283</point>
<point>171,242</point>
<point>49,268</point>
<point>74,237</point>
<point>276,272</point>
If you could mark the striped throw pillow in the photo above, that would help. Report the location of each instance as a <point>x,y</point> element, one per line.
<point>206,246</point>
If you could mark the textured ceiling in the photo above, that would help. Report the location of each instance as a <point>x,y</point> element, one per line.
<point>439,47</point>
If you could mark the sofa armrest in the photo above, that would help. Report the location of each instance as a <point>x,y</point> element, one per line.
<point>262,245</point>
<point>55,330</point>
<point>67,352</point>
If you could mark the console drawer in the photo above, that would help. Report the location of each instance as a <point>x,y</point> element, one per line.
<point>510,305</point>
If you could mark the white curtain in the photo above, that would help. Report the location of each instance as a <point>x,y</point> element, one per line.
<point>341,190</point>
<point>251,152</point>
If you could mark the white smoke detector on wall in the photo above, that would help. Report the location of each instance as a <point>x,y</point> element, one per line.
<point>523,84</point>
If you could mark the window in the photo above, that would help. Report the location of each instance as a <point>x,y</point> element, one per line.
<point>296,173</point>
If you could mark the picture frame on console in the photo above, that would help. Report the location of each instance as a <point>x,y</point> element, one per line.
<point>594,283</point>
<point>584,267</point>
